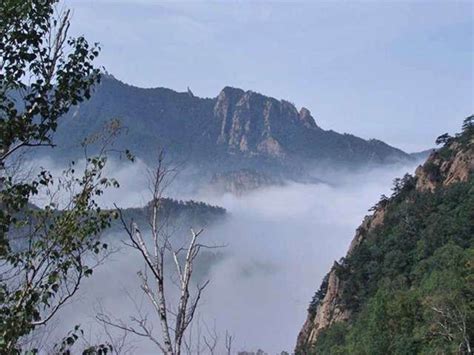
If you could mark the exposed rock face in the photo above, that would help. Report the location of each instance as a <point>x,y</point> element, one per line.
<point>241,181</point>
<point>328,312</point>
<point>330,309</point>
<point>253,124</point>
<point>369,223</point>
<point>307,119</point>
<point>437,171</point>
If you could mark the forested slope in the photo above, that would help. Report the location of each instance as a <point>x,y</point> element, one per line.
<point>406,285</point>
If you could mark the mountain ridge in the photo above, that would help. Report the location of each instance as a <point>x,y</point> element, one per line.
<point>235,130</point>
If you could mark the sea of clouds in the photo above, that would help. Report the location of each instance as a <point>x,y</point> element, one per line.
<point>279,242</point>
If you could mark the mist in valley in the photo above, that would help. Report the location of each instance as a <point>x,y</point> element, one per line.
<point>279,241</point>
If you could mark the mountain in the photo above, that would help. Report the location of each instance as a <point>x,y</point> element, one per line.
<point>174,214</point>
<point>236,130</point>
<point>406,285</point>
<point>181,215</point>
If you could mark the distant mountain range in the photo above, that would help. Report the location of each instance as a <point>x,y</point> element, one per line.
<point>236,130</point>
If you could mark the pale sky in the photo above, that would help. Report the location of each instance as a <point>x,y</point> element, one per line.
<point>400,71</point>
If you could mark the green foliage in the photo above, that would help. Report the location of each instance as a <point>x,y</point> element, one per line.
<point>68,342</point>
<point>330,340</point>
<point>182,213</point>
<point>432,171</point>
<point>410,284</point>
<point>318,296</point>
<point>444,139</point>
<point>47,262</point>
<point>464,139</point>
<point>43,73</point>
<point>467,134</point>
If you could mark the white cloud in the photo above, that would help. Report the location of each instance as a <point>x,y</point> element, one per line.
<point>281,241</point>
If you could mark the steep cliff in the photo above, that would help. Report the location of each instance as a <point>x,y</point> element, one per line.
<point>426,214</point>
<point>328,308</point>
<point>254,124</point>
<point>236,130</point>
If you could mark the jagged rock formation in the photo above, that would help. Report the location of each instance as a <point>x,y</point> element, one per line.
<point>236,130</point>
<point>254,124</point>
<point>452,164</point>
<point>439,171</point>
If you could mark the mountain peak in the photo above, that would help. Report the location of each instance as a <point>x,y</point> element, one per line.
<point>229,91</point>
<point>307,119</point>
<point>255,124</point>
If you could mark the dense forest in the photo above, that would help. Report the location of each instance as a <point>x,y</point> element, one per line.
<point>408,285</point>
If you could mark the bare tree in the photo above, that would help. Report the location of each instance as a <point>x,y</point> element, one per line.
<point>156,249</point>
<point>212,338</point>
<point>228,342</point>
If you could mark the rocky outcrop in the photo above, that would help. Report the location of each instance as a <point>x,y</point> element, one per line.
<point>451,164</point>
<point>438,171</point>
<point>252,123</point>
<point>241,181</point>
<point>331,309</point>
<point>369,223</point>
<point>328,311</point>
<point>306,118</point>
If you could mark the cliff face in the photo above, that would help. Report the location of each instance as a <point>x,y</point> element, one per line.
<point>440,171</point>
<point>330,309</point>
<point>452,164</point>
<point>253,124</point>
<point>237,129</point>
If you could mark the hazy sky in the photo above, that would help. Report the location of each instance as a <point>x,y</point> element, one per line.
<point>398,71</point>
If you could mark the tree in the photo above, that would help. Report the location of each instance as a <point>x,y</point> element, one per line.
<point>443,139</point>
<point>43,73</point>
<point>468,123</point>
<point>467,130</point>
<point>229,339</point>
<point>156,248</point>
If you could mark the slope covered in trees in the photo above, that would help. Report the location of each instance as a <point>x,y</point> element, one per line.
<point>177,213</point>
<point>406,284</point>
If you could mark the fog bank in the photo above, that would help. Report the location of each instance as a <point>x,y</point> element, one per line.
<point>280,242</point>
